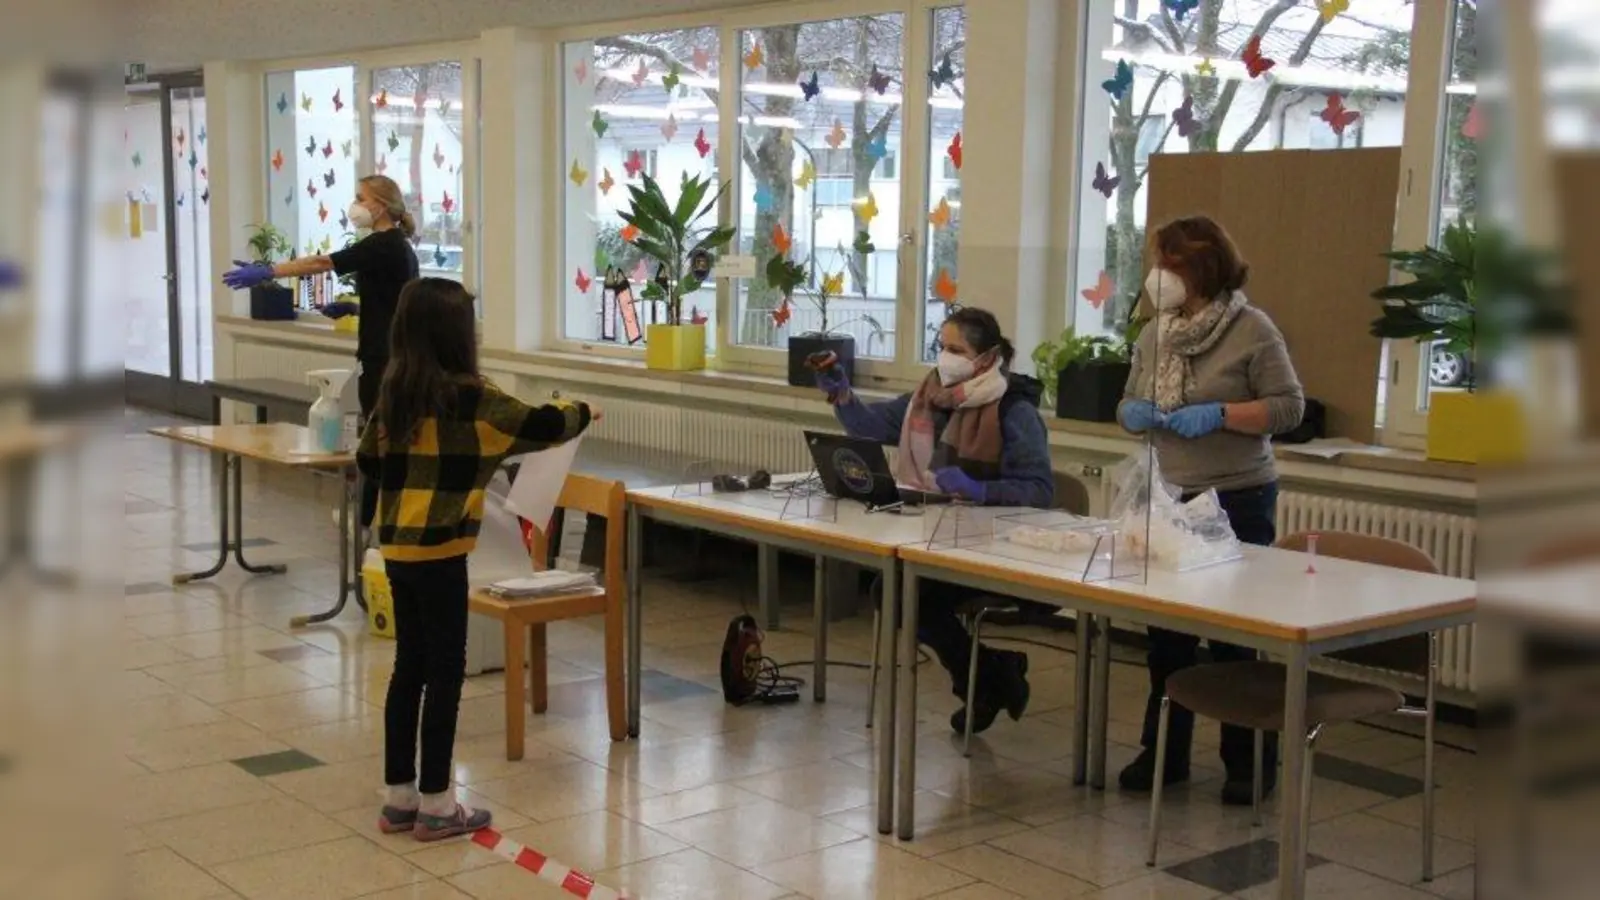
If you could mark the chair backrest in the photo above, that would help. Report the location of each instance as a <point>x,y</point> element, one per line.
<point>1407,654</point>
<point>1071,494</point>
<point>596,497</point>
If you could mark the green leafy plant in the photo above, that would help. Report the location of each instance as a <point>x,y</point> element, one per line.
<point>267,242</point>
<point>672,235</point>
<point>1050,357</point>
<point>1439,302</point>
<point>790,278</point>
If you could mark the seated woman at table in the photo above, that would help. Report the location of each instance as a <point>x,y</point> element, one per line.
<point>1209,384</point>
<point>971,430</point>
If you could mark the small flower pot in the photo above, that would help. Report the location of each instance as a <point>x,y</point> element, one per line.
<point>804,345</point>
<point>272,302</point>
<point>675,348</point>
<point>1090,392</point>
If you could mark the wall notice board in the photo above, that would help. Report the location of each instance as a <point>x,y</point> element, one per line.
<point>1312,225</point>
<point>1578,175</point>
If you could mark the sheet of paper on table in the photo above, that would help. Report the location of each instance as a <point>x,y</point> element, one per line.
<point>539,479</point>
<point>1333,448</point>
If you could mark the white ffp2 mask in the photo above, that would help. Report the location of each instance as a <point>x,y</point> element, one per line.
<point>360,216</point>
<point>954,369</point>
<point>1165,288</point>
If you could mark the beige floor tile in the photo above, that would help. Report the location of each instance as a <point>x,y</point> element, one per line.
<point>421,890</point>
<point>658,811</point>
<point>446,858</point>
<point>506,882</point>
<point>240,643</point>
<point>863,869</point>
<point>1332,881</point>
<point>757,833</point>
<point>1032,795</point>
<point>820,789</point>
<point>163,603</point>
<point>286,712</point>
<point>598,840</point>
<point>1091,849</point>
<point>340,741</point>
<point>334,870</point>
<point>1455,813</point>
<point>1458,885</point>
<point>160,874</point>
<point>481,759</point>
<point>942,824</point>
<point>1013,873</point>
<point>689,875</point>
<point>245,684</point>
<point>166,712</point>
<point>137,685</point>
<point>337,787</point>
<point>236,832</point>
<point>179,674</point>
<point>1384,848</point>
<point>568,789</point>
<point>198,745</point>
<point>186,792</point>
<point>1155,886</point>
<point>148,652</point>
<point>976,891</point>
<point>188,621</point>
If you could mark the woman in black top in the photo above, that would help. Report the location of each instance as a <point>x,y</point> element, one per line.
<point>382,263</point>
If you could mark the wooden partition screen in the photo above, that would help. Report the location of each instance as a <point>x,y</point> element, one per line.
<point>1578,181</point>
<point>1312,225</point>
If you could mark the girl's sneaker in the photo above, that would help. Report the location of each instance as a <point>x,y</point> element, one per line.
<point>464,820</point>
<point>394,820</point>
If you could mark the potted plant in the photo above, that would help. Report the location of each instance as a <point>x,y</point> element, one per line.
<point>270,300</point>
<point>788,278</point>
<point>671,234</point>
<point>1083,376</point>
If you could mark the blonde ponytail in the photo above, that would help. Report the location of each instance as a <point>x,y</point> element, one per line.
<point>405,222</point>
<point>387,191</point>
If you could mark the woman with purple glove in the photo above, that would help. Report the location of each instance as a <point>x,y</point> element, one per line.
<point>382,262</point>
<point>971,430</point>
<point>1210,383</point>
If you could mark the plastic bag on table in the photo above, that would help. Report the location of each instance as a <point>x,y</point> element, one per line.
<point>1173,534</point>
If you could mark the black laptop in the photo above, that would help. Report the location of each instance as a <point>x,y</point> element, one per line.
<point>857,469</point>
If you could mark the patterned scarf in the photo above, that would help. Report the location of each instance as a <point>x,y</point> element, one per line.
<point>971,435</point>
<point>1180,339</point>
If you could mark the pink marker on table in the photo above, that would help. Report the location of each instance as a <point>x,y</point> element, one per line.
<point>1311,553</point>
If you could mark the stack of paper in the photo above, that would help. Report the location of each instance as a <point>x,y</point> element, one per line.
<point>541,584</point>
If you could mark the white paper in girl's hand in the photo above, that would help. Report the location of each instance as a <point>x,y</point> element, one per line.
<point>533,494</point>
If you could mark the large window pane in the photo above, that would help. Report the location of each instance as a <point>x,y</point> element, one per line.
<point>633,105</point>
<point>819,145</point>
<point>418,141</point>
<point>1569,55</point>
<point>945,115</point>
<point>311,153</point>
<point>1333,84</point>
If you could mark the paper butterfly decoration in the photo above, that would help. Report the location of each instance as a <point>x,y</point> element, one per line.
<point>577,174</point>
<point>1119,84</point>
<point>179,202</point>
<point>200,136</point>
<point>944,75</point>
<point>835,138</point>
<point>879,148</point>
<point>640,273</point>
<point>674,76</point>
<point>305,101</point>
<point>1183,118</point>
<point>1472,127</point>
<point>327,149</point>
<point>178,139</point>
<point>205,196</point>
<point>634,164</point>
<point>701,145</point>
<point>630,233</point>
<point>944,287</point>
<point>954,151</point>
<point>277,160</point>
<point>1180,8</point>
<point>809,88</point>
<point>808,174</point>
<point>1330,9</point>
<point>311,187</point>
<point>383,163</point>
<point>1101,292</point>
<point>696,317</point>
<point>1205,69</point>
<point>203,172</point>
<point>439,259</point>
<point>581,70</point>
<point>322,211</point>
<point>763,198</point>
<point>193,159</point>
<point>382,100</point>
<point>448,204</point>
<point>780,239</point>
<point>641,75</point>
<point>754,58</point>
<point>780,316</point>
<point>702,59</point>
<point>394,141</point>
<point>327,179</point>
<point>344,148</point>
<point>1103,182</point>
<point>311,145</point>
<point>288,199</point>
<point>1337,117</point>
<point>344,222</point>
<point>1257,64</point>
<point>878,81</point>
<point>338,100</point>
<point>599,124</point>
<point>869,209</point>
<point>833,285</point>
<point>940,217</point>
<point>582,282</point>
<point>438,157</point>
<point>607,183</point>
<point>283,103</point>
<point>669,128</point>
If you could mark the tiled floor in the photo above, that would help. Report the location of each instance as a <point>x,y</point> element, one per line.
<point>256,756</point>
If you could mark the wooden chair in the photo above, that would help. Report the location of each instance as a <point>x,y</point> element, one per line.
<point>524,621</point>
<point>1250,694</point>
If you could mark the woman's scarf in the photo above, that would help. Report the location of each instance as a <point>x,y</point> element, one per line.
<point>973,433</point>
<point>1179,340</point>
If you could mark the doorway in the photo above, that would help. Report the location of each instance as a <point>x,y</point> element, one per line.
<point>168,264</point>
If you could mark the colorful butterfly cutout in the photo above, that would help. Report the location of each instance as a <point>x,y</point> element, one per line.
<point>1205,68</point>
<point>669,128</point>
<point>277,160</point>
<point>599,124</point>
<point>1101,292</point>
<point>634,164</point>
<point>203,172</point>
<point>1330,9</point>
<point>808,174</point>
<point>179,202</point>
<point>305,101</point>
<point>338,100</point>
<point>1472,126</point>
<point>833,285</point>
<point>1254,62</point>
<point>809,88</point>
<point>641,75</point>
<point>868,209</point>
<point>580,70</point>
<point>205,196</point>
<point>438,157</point>
<point>322,211</point>
<point>288,199</point>
<point>940,217</point>
<point>311,145</point>
<point>640,273</point>
<point>1337,116</point>
<point>1183,118</point>
<point>448,204</point>
<point>394,141</point>
<point>311,188</point>
<point>200,136</point>
<point>944,287</point>
<point>780,239</point>
<point>327,149</point>
<point>582,282</point>
<point>863,243</point>
<point>137,159</point>
<point>835,138</point>
<point>763,198</point>
<point>194,160</point>
<point>1104,182</point>
<point>754,58</point>
<point>696,317</point>
<point>578,174</point>
<point>673,78</point>
<point>879,148</point>
<point>944,75</point>
<point>283,103</point>
<point>1120,83</point>
<point>383,163</point>
<point>780,316</point>
<point>382,100</point>
<point>701,145</point>
<point>1180,8</point>
<point>327,179</point>
<point>439,259</point>
<point>878,81</point>
<point>954,151</point>
<point>344,222</point>
<point>630,233</point>
<point>701,59</point>
<point>344,148</point>
<point>606,184</point>
<point>179,139</point>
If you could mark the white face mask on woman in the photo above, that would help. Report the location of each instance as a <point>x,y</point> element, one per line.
<point>1165,288</point>
<point>954,369</point>
<point>360,216</point>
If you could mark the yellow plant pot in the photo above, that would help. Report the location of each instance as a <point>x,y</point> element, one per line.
<point>675,348</point>
<point>1487,427</point>
<point>350,324</point>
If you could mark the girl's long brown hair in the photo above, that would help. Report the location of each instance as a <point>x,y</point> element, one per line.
<point>433,349</point>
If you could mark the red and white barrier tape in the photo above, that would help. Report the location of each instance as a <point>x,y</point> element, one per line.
<point>568,879</point>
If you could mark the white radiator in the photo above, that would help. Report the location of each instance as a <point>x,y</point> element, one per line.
<point>1449,539</point>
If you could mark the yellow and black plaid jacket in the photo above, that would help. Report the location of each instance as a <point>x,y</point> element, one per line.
<point>430,494</point>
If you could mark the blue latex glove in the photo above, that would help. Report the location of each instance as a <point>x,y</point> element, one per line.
<point>957,483</point>
<point>1141,415</point>
<point>834,383</point>
<point>340,309</point>
<point>248,275</point>
<point>1195,421</point>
